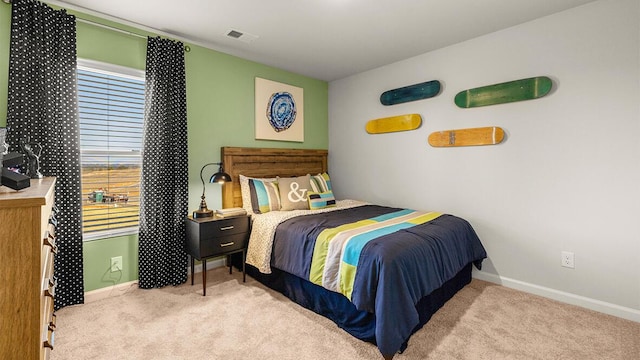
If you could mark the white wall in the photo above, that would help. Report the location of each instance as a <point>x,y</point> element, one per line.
<point>567,177</point>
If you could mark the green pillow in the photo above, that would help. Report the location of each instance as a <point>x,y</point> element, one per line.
<point>321,183</point>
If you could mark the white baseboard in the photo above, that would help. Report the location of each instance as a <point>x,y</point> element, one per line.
<point>107,292</point>
<point>120,289</point>
<point>211,264</point>
<point>565,297</point>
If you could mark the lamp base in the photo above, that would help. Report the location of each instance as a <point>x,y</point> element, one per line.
<point>202,214</point>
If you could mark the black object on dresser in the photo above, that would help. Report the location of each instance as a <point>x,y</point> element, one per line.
<point>14,180</point>
<point>214,237</point>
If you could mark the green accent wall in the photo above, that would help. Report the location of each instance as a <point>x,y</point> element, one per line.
<point>220,112</point>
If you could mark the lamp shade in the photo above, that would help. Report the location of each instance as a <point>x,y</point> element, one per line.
<point>220,177</point>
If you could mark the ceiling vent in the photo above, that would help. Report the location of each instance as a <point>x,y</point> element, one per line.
<point>242,36</point>
<point>234,34</point>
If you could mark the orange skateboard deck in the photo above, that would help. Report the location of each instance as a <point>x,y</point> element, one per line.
<point>394,123</point>
<point>491,135</point>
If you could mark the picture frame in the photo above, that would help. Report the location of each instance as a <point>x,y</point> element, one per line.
<point>279,111</point>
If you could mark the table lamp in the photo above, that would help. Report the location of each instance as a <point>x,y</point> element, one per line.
<point>220,177</point>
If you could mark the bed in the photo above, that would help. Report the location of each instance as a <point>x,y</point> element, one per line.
<point>390,271</point>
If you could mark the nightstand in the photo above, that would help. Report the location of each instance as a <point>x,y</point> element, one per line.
<point>214,237</point>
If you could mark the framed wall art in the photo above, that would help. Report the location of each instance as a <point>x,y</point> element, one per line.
<point>279,111</point>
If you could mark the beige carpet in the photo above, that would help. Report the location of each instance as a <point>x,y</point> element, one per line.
<point>248,321</point>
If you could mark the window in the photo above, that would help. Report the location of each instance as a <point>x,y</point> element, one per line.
<point>111,111</point>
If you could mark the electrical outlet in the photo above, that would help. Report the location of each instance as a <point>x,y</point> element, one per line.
<point>116,263</point>
<point>567,259</point>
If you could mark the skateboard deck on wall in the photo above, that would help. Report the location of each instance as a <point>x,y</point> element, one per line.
<point>410,93</point>
<point>518,90</point>
<point>394,123</point>
<point>491,135</point>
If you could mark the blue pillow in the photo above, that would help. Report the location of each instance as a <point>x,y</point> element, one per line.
<point>321,200</point>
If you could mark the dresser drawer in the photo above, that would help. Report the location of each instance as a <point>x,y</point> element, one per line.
<point>48,326</point>
<point>49,249</point>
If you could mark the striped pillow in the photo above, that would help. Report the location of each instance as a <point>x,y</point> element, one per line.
<point>321,183</point>
<point>265,196</point>
<point>246,192</point>
<point>321,200</point>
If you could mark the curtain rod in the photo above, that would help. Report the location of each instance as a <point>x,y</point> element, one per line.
<point>109,27</point>
<point>112,28</point>
<point>100,25</point>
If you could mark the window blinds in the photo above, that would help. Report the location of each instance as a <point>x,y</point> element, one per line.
<point>111,109</point>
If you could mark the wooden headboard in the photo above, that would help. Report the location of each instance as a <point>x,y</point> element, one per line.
<point>266,163</point>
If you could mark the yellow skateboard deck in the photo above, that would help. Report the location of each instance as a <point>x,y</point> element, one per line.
<point>394,123</point>
<point>491,135</point>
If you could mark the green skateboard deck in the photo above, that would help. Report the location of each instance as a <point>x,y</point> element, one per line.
<point>518,90</point>
<point>467,137</point>
<point>394,123</point>
<point>410,93</point>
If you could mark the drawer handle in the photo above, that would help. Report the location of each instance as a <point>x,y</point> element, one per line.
<point>48,343</point>
<point>49,240</point>
<point>50,291</point>
<point>226,228</point>
<point>227,244</point>
<point>52,322</point>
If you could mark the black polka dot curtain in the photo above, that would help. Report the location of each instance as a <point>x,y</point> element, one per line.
<point>42,108</point>
<point>164,180</point>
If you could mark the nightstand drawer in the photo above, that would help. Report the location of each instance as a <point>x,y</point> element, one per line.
<point>224,227</point>
<point>221,245</point>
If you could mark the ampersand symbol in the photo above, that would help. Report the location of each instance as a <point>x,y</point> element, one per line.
<point>299,196</point>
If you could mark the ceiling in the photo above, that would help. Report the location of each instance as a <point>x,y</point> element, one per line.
<point>323,39</point>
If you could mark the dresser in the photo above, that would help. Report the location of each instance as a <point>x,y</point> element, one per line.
<point>27,285</point>
<point>213,237</point>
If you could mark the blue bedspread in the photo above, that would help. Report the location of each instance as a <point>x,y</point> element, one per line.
<point>394,271</point>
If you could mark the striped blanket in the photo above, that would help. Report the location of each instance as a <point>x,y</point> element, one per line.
<point>337,250</point>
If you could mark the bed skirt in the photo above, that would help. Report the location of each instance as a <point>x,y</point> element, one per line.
<point>340,310</point>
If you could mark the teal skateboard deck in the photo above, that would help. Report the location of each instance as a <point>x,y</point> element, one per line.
<point>415,92</point>
<point>518,90</point>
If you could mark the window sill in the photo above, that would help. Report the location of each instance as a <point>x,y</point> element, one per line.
<point>105,234</point>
